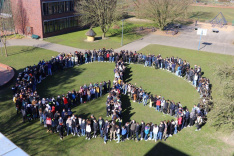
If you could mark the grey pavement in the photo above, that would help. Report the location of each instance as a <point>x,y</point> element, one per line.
<point>221,42</point>
<point>42,44</point>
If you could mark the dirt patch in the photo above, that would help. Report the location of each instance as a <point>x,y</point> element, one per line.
<point>143,32</point>
<point>208,26</point>
<point>164,33</point>
<point>134,19</point>
<point>228,139</point>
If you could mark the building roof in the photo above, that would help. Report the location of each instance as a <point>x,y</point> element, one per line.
<point>90,33</point>
<point>8,148</point>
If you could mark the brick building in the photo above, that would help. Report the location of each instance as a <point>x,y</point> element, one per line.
<point>44,17</point>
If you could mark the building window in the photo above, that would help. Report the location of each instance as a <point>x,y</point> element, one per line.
<point>60,24</point>
<point>61,7</point>
<point>45,9</point>
<point>68,6</point>
<point>50,8</point>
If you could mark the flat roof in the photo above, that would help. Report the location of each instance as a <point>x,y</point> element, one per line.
<point>8,148</point>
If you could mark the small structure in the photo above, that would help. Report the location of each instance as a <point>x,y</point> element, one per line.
<point>219,20</point>
<point>90,35</point>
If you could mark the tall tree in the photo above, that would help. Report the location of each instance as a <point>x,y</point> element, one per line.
<point>97,12</point>
<point>222,114</point>
<point>163,11</point>
<point>6,23</point>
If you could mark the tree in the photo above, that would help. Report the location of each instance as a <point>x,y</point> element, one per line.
<point>6,23</point>
<point>222,114</point>
<point>163,11</point>
<point>20,18</point>
<point>97,12</point>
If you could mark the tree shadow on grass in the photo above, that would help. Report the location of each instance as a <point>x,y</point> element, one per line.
<point>25,50</point>
<point>58,79</point>
<point>127,74</point>
<point>200,14</point>
<point>164,149</point>
<point>127,108</point>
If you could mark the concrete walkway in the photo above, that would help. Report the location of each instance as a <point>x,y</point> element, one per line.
<point>221,42</point>
<point>43,44</point>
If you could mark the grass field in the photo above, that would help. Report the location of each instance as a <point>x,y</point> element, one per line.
<point>32,137</point>
<point>208,13</point>
<point>77,39</point>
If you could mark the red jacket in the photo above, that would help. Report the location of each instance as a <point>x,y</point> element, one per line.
<point>53,109</point>
<point>180,120</point>
<point>158,103</point>
<point>65,101</point>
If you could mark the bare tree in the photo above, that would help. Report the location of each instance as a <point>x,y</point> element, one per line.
<point>6,23</point>
<point>163,11</point>
<point>97,12</point>
<point>20,17</point>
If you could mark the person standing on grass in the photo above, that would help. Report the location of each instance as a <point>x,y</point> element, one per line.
<point>48,123</point>
<point>74,126</point>
<point>95,128</point>
<point>123,133</point>
<point>198,123</point>
<point>118,133</point>
<point>160,130</point>
<point>155,132</point>
<point>142,129</point>
<point>180,122</point>
<point>132,130</point>
<point>127,126</point>
<point>83,127</point>
<point>101,124</point>
<point>60,129</point>
<point>106,132</point>
<point>88,130</point>
<point>69,125</point>
<point>137,130</point>
<point>147,129</point>
<point>151,131</point>
<point>112,130</point>
<point>187,117</point>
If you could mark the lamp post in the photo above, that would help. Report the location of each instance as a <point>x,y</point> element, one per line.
<point>122,32</point>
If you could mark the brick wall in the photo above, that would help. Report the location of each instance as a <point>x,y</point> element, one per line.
<point>27,13</point>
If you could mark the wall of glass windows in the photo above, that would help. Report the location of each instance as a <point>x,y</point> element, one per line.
<point>60,24</point>
<point>57,7</point>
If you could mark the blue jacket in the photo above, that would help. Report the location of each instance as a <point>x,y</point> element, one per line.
<point>124,131</point>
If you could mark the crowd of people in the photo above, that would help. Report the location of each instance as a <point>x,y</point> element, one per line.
<point>56,114</point>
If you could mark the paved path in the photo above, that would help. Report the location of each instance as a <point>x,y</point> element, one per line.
<point>42,44</point>
<point>221,42</point>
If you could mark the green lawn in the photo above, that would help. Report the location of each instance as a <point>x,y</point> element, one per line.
<point>32,137</point>
<point>77,39</point>
<point>208,13</point>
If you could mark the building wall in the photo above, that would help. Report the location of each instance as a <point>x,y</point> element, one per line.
<point>27,13</point>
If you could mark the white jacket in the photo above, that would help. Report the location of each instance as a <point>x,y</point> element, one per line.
<point>155,130</point>
<point>88,128</point>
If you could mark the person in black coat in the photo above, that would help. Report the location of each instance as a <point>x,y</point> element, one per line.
<point>60,129</point>
<point>106,132</point>
<point>142,129</point>
<point>137,131</point>
<point>101,124</point>
<point>95,128</point>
